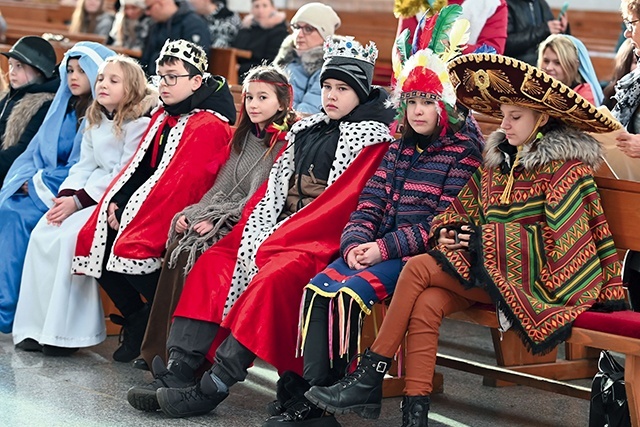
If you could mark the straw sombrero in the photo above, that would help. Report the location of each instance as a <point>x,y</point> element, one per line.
<point>485,81</point>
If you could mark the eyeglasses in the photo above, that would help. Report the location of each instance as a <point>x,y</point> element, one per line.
<point>169,79</point>
<point>630,24</point>
<point>306,29</point>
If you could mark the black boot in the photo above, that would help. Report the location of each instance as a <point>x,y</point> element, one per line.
<point>131,335</point>
<point>200,399</point>
<point>55,351</point>
<point>177,374</point>
<point>291,408</point>
<point>359,392</point>
<point>631,278</point>
<point>29,344</point>
<point>302,413</point>
<point>415,411</point>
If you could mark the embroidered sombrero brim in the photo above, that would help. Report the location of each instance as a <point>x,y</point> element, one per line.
<point>485,81</point>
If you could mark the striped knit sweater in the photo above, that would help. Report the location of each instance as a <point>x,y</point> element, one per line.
<point>397,205</point>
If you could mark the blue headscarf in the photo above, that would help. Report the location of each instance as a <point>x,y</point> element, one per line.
<point>42,151</point>
<point>586,70</point>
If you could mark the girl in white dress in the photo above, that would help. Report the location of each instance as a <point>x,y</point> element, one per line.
<point>59,312</point>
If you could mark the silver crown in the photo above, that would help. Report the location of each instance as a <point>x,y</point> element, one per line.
<point>348,47</point>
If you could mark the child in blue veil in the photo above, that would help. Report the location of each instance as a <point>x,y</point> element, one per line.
<point>34,178</point>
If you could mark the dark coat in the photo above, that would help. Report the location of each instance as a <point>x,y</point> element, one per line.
<point>264,44</point>
<point>185,24</point>
<point>523,37</point>
<point>22,111</point>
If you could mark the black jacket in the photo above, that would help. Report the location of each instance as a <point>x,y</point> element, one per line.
<point>7,104</point>
<point>185,24</point>
<point>264,44</point>
<point>523,37</point>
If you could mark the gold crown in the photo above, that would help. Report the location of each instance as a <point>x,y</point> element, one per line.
<point>187,51</point>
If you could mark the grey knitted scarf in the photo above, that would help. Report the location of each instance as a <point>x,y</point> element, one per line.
<point>240,177</point>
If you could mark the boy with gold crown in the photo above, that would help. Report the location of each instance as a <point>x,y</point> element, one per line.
<point>418,178</point>
<point>527,233</point>
<point>249,284</point>
<point>184,146</point>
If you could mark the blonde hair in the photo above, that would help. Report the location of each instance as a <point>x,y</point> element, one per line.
<point>567,55</point>
<point>80,18</point>
<point>135,90</point>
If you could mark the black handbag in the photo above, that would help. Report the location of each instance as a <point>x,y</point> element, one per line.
<point>609,406</point>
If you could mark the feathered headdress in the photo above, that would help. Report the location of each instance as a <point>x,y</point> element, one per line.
<point>420,68</point>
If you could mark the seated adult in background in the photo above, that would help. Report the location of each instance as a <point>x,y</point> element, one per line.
<point>131,26</point>
<point>301,54</point>
<point>566,59</point>
<point>91,17</point>
<point>487,19</point>
<point>33,83</point>
<point>530,22</point>
<point>625,62</point>
<point>628,88</point>
<point>173,20</point>
<point>223,23</point>
<point>262,33</point>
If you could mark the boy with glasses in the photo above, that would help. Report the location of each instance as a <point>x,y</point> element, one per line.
<point>177,160</point>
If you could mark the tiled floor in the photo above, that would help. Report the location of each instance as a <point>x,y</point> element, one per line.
<point>89,389</point>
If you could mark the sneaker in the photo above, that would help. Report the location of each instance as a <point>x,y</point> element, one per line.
<point>178,374</point>
<point>200,399</point>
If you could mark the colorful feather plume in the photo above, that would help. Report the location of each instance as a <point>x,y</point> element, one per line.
<point>444,22</point>
<point>401,52</point>
<point>458,38</point>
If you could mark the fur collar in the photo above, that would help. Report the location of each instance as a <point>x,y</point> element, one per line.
<point>21,115</point>
<point>150,101</point>
<point>311,60</point>
<point>562,144</point>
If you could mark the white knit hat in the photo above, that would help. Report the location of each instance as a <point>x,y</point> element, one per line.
<point>320,16</point>
<point>138,3</point>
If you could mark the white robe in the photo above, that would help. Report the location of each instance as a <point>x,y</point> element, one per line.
<point>54,306</point>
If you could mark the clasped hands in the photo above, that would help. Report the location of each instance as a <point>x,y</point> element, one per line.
<point>62,208</point>
<point>202,227</point>
<point>363,256</point>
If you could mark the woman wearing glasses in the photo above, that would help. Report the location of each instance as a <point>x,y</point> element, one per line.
<point>262,32</point>
<point>301,54</point>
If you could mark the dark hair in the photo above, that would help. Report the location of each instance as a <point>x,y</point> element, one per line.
<point>280,83</point>
<point>82,102</point>
<point>172,60</point>
<point>408,132</point>
<point>625,57</point>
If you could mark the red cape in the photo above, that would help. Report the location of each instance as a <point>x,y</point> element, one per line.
<point>265,317</point>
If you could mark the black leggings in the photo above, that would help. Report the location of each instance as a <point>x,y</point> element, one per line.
<point>125,289</point>
<point>317,366</point>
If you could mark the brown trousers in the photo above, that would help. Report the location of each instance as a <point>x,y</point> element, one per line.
<point>424,295</point>
<point>164,304</point>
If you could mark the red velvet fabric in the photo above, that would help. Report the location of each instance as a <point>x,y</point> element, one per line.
<point>625,323</point>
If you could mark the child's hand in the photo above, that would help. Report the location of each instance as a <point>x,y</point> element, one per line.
<point>369,254</point>
<point>455,238</point>
<point>182,224</point>
<point>62,209</point>
<point>111,216</point>
<point>203,227</point>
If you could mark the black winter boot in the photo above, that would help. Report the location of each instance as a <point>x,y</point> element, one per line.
<point>131,335</point>
<point>177,374</point>
<point>415,411</point>
<point>359,392</point>
<point>200,399</point>
<point>293,409</point>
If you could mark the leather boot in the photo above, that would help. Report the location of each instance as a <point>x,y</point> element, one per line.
<point>631,278</point>
<point>131,335</point>
<point>200,399</point>
<point>359,392</point>
<point>176,374</point>
<point>415,411</point>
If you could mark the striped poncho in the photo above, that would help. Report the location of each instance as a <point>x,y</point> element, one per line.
<point>547,255</point>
